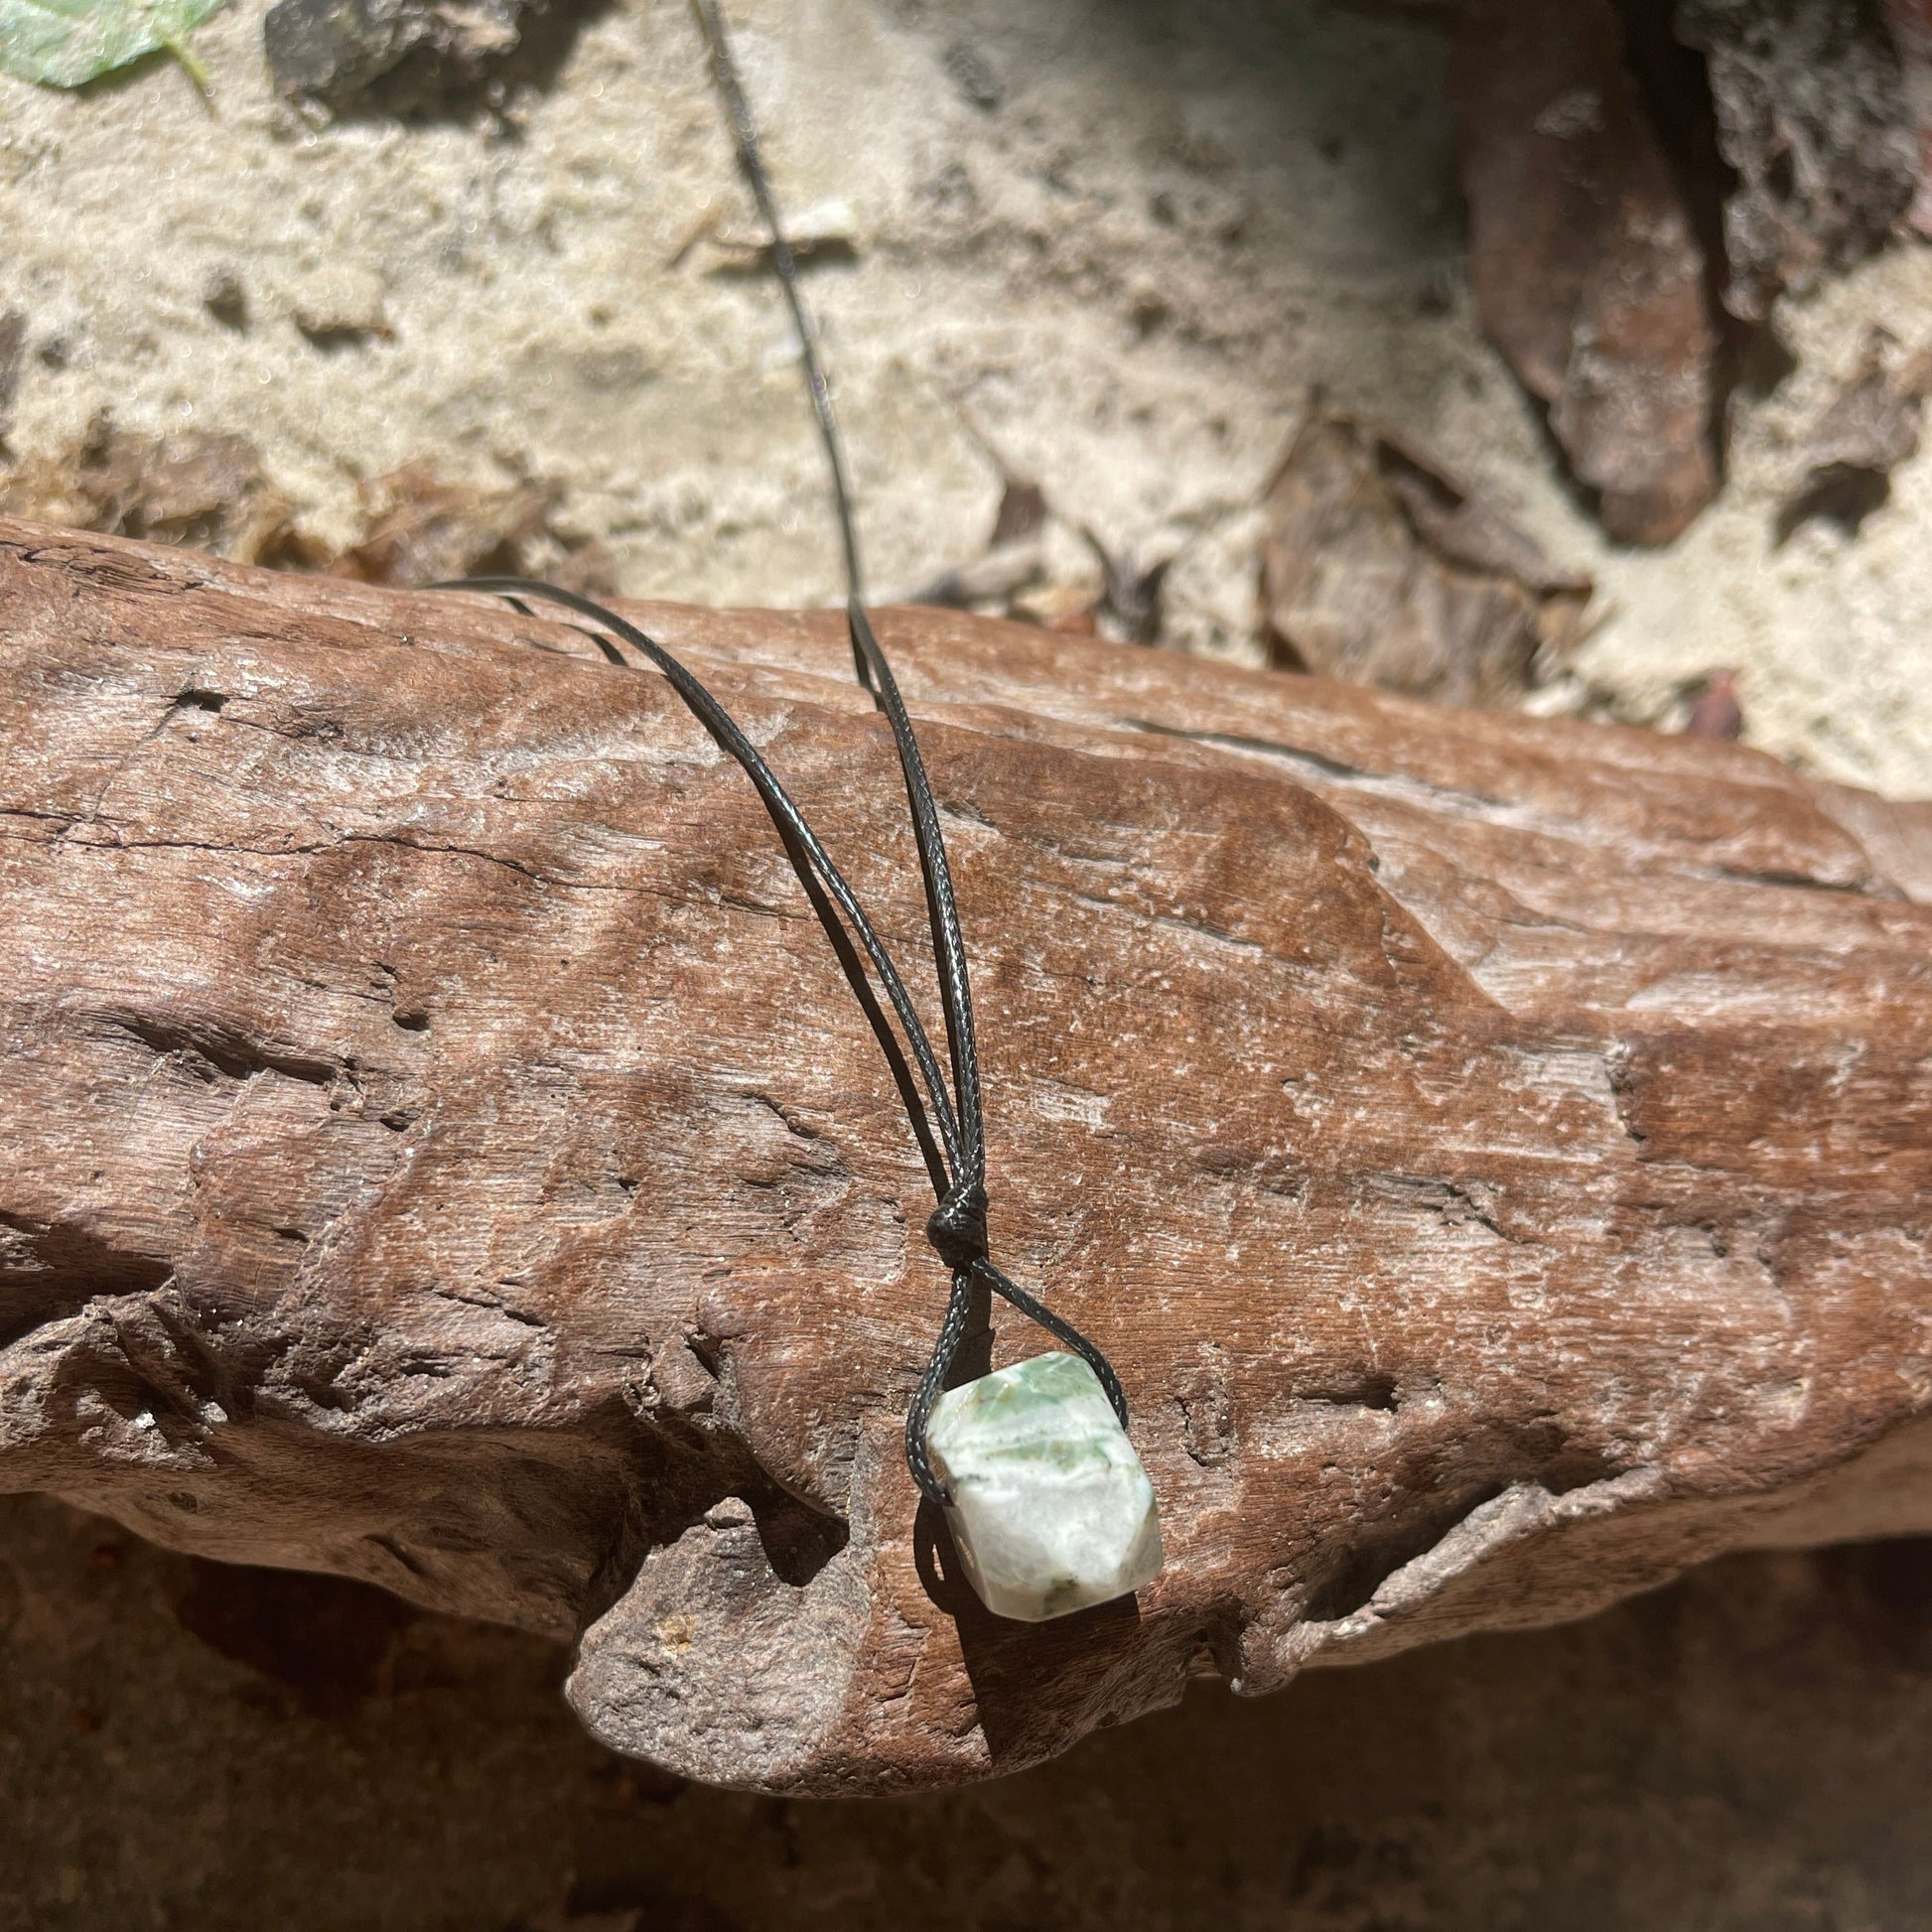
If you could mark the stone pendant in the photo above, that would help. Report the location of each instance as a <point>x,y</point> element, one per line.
<point>1052,1510</point>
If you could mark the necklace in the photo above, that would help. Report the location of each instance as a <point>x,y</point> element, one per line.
<point>1048,1505</point>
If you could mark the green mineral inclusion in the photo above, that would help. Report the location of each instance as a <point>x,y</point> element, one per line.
<point>1052,1510</point>
<point>1021,1413</point>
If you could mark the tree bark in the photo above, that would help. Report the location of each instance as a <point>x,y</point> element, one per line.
<point>439,1146</point>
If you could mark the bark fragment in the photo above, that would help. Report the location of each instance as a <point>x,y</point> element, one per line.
<point>1910,22</point>
<point>1380,567</point>
<point>1588,269</point>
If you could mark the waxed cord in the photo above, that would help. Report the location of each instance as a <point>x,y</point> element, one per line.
<point>751,160</point>
<point>947,1120</point>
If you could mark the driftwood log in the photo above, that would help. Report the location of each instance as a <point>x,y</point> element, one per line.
<point>438,1147</point>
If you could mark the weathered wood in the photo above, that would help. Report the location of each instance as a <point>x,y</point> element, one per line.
<point>439,1148</point>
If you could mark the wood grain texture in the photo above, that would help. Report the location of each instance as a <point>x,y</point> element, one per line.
<point>439,1148</point>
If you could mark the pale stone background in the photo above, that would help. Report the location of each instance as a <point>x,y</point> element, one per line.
<point>1122,278</point>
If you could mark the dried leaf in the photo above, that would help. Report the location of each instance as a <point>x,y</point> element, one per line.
<point>1585,257</point>
<point>1378,566</point>
<point>1460,526</point>
<point>588,568</point>
<point>423,531</point>
<point>208,491</point>
<point>1127,608</point>
<point>66,43</point>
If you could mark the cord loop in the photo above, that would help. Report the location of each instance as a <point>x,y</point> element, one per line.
<point>947,1121</point>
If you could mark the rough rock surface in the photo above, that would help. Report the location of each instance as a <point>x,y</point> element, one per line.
<point>1497,1154</point>
<point>333,49</point>
<point>192,1743</point>
<point>1811,115</point>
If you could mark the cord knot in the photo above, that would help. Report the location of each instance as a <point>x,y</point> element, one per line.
<point>957,1228</point>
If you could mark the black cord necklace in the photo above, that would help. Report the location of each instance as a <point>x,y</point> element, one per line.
<point>956,1159</point>
<point>955,1156</point>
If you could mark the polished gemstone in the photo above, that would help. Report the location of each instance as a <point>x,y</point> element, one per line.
<point>1052,1510</point>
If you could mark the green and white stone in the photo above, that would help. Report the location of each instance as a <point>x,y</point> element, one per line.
<point>1052,1510</point>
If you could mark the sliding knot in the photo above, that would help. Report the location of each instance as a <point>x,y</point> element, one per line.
<point>957,1228</point>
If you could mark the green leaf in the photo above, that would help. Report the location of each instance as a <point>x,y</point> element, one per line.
<point>64,43</point>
